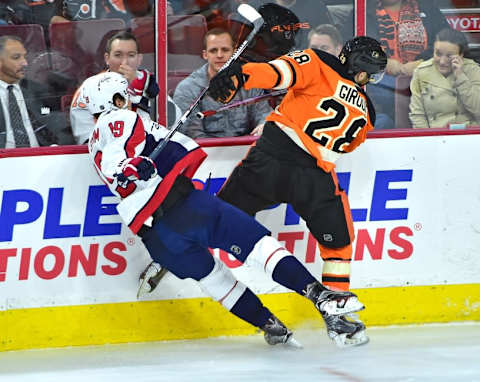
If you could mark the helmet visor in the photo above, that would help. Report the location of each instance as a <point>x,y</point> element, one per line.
<point>375,78</point>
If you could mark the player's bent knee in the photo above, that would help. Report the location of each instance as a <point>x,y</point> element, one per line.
<point>266,254</point>
<point>222,286</point>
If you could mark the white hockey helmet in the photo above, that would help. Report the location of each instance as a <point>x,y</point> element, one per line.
<point>101,90</point>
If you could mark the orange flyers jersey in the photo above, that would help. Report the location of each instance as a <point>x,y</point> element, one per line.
<point>324,111</point>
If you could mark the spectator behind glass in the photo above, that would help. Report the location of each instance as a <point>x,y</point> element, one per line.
<point>446,88</point>
<point>74,10</point>
<point>218,48</point>
<point>28,115</point>
<point>327,38</point>
<point>406,30</point>
<point>121,56</point>
<point>26,12</point>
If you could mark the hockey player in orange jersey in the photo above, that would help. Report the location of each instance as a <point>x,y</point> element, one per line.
<point>324,114</point>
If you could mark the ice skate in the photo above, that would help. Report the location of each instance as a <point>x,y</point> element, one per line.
<point>330,302</point>
<point>345,331</point>
<point>275,332</point>
<point>150,278</point>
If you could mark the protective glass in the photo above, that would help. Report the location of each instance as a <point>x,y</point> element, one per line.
<point>375,78</point>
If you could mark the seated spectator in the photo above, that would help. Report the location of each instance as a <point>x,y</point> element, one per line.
<point>406,30</point>
<point>40,12</point>
<point>218,48</point>
<point>71,10</point>
<point>5,14</point>
<point>446,88</point>
<point>15,12</point>
<point>28,116</point>
<point>327,38</point>
<point>121,56</point>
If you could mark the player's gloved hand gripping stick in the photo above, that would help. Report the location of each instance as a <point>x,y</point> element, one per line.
<point>256,19</point>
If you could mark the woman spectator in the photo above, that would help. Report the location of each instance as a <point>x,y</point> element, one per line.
<point>446,88</point>
<point>406,30</point>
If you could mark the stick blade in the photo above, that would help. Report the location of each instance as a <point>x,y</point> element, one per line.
<point>250,14</point>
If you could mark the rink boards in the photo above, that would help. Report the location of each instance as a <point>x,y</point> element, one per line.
<point>69,268</point>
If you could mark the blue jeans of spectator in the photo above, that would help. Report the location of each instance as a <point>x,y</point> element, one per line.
<point>383,98</point>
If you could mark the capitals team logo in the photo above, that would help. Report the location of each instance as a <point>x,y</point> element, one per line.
<point>235,249</point>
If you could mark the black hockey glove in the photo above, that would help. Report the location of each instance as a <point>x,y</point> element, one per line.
<point>226,83</point>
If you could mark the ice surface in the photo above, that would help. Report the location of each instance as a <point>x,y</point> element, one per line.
<point>446,352</point>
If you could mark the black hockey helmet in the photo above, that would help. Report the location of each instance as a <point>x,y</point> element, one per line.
<point>279,28</point>
<point>364,54</point>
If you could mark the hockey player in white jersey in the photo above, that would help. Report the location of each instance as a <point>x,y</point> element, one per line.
<point>178,223</point>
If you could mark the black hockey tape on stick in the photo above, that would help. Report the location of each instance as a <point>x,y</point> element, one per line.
<point>248,101</point>
<point>251,14</point>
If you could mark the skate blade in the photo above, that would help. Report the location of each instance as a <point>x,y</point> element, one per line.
<point>143,289</point>
<point>343,341</point>
<point>155,280</point>
<point>150,281</point>
<point>352,305</point>
<point>292,342</point>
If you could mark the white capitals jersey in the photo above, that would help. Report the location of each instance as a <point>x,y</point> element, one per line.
<point>81,119</point>
<point>121,134</point>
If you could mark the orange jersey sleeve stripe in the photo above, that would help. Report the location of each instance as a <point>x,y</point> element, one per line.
<point>261,76</point>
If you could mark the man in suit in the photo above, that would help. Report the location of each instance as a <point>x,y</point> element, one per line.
<point>29,114</point>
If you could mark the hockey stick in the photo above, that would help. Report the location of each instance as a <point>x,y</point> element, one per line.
<point>248,101</point>
<point>256,19</point>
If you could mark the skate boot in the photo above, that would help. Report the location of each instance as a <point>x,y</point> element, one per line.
<point>330,302</point>
<point>345,331</point>
<point>275,332</point>
<point>150,278</point>
<point>335,307</point>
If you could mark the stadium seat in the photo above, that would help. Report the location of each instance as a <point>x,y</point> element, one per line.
<point>184,62</point>
<point>143,28</point>
<point>31,34</point>
<point>185,42</point>
<point>402,102</point>
<point>185,34</point>
<point>83,42</point>
<point>148,62</point>
<point>173,78</point>
<point>65,102</point>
